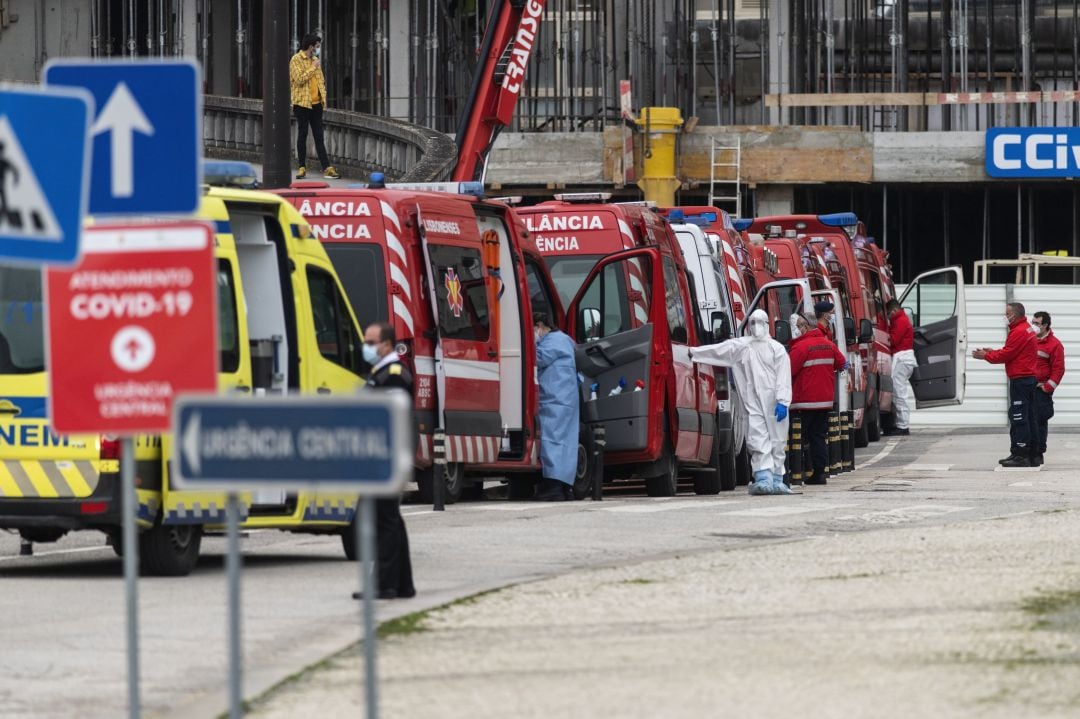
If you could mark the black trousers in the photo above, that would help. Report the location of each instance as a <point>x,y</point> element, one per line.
<point>312,118</point>
<point>395,566</point>
<point>815,436</point>
<point>1022,425</point>
<point>1043,406</point>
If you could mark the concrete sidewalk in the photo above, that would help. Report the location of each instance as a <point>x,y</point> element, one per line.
<point>980,618</point>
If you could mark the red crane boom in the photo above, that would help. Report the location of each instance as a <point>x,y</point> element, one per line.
<point>511,34</point>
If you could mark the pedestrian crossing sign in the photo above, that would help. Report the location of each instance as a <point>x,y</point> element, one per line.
<point>44,172</point>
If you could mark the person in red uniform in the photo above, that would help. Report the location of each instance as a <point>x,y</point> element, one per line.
<point>902,342</point>
<point>1049,369</point>
<point>814,360</point>
<point>1018,355</point>
<point>823,312</point>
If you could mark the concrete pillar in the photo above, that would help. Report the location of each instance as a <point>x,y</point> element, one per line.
<point>400,52</point>
<point>775,200</point>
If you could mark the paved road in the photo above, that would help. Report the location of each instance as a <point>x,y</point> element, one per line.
<point>63,634</point>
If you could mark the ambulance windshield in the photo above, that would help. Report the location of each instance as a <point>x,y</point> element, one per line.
<point>22,344</point>
<point>569,273</point>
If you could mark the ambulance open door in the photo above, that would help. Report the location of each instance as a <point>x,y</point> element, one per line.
<point>615,345</point>
<point>935,303</point>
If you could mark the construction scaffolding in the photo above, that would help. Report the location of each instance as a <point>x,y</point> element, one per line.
<point>717,60</point>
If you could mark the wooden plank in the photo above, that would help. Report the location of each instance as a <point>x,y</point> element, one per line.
<point>843,99</point>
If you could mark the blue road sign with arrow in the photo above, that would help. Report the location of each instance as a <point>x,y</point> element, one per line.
<point>44,169</point>
<point>363,443</point>
<point>147,133</point>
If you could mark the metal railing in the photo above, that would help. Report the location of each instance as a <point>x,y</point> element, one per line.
<point>358,144</point>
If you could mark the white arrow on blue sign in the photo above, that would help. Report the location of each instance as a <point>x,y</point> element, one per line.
<point>363,443</point>
<point>147,134</point>
<point>44,173</point>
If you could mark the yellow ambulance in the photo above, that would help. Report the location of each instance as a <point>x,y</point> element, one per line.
<point>285,326</point>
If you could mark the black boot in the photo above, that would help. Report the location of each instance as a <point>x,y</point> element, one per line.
<point>550,490</point>
<point>1036,460</point>
<point>1010,458</point>
<point>1016,462</point>
<point>818,477</point>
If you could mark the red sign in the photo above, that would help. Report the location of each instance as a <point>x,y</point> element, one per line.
<point>132,326</point>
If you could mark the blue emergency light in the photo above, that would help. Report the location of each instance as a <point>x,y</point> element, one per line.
<point>839,219</point>
<point>741,224</point>
<point>701,219</point>
<point>475,189</point>
<point>230,173</point>
<point>676,216</point>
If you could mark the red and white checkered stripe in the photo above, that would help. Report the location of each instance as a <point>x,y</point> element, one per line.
<point>398,262</point>
<point>990,98</point>
<point>472,449</point>
<point>731,265</point>
<point>641,313</point>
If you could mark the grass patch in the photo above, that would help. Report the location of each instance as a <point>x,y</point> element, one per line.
<point>1052,603</point>
<point>404,626</point>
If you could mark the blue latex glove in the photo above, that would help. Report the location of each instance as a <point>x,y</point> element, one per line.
<point>845,367</point>
<point>781,412</point>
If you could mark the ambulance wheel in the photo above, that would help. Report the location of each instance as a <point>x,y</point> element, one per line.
<point>665,484</point>
<point>862,438</point>
<point>873,428</point>
<point>586,463</point>
<point>744,470</point>
<point>348,538</point>
<point>170,550</point>
<point>455,482</point>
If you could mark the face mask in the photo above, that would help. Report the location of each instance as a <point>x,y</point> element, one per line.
<point>758,330</point>
<point>1008,320</point>
<point>371,355</point>
<point>796,332</point>
<point>318,52</point>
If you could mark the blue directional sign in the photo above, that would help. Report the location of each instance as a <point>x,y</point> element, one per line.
<point>44,173</point>
<point>363,443</point>
<point>147,133</point>
<point>1033,152</point>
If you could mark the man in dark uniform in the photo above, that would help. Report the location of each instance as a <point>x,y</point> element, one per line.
<point>388,373</point>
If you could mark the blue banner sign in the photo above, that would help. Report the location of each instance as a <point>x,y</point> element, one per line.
<point>362,443</point>
<point>1033,152</point>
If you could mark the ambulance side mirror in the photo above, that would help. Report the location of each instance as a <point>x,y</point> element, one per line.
<point>849,330</point>
<point>721,328</point>
<point>588,324</point>
<point>866,331</point>
<point>782,333</point>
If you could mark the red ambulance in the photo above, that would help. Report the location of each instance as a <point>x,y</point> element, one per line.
<point>459,281</point>
<point>868,286</point>
<point>620,270</point>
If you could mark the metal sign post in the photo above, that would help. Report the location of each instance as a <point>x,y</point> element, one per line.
<point>360,445</point>
<point>232,570</point>
<point>129,505</point>
<point>369,586</point>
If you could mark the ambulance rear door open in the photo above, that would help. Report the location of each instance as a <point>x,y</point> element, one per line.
<point>614,344</point>
<point>468,327</point>
<point>935,303</point>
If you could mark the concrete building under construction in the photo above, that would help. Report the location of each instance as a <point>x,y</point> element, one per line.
<point>879,106</point>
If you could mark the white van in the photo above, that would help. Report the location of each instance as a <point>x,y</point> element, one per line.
<point>716,320</point>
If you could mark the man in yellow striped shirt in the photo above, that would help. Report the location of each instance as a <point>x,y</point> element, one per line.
<point>308,93</point>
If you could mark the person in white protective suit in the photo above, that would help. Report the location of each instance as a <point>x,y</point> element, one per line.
<point>763,374</point>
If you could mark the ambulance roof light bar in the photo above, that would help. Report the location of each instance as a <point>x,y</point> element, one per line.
<point>509,199</point>
<point>475,189</point>
<point>741,224</point>
<point>582,197</point>
<point>651,204</point>
<point>230,173</point>
<point>839,219</point>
